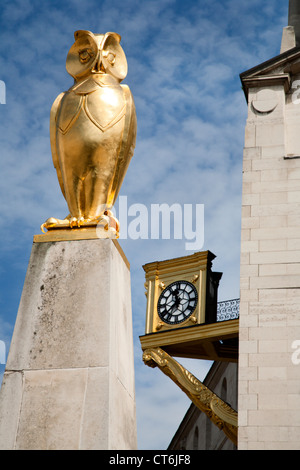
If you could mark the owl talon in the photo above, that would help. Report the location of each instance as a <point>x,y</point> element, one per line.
<point>113,221</point>
<point>107,221</point>
<point>73,222</point>
<point>52,222</point>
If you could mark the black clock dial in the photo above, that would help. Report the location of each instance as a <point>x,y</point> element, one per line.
<point>177,302</point>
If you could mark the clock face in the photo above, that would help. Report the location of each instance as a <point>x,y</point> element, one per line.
<point>177,302</point>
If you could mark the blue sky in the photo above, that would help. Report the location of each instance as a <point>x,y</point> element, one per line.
<point>184,61</point>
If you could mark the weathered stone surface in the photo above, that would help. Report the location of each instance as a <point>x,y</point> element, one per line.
<point>69,379</point>
<point>269,336</point>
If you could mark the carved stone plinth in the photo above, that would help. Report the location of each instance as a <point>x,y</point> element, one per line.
<point>69,379</point>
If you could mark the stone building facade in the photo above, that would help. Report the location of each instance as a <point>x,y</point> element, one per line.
<point>269,325</point>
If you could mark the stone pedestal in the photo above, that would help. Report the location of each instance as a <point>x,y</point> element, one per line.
<point>69,379</point>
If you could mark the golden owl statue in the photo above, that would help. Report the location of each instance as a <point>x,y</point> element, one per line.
<point>92,130</point>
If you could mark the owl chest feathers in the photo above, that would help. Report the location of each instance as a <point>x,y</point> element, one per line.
<point>101,104</point>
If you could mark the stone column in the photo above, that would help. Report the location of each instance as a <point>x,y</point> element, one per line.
<point>269,375</point>
<point>69,378</point>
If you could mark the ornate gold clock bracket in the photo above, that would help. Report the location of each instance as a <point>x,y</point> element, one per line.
<point>219,412</point>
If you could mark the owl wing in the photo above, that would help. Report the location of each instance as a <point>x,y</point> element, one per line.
<point>127,146</point>
<point>53,118</point>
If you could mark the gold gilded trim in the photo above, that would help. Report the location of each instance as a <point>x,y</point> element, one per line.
<point>77,234</point>
<point>219,412</point>
<point>212,331</point>
<point>69,234</point>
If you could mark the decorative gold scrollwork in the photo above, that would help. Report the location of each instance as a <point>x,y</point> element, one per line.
<point>219,412</point>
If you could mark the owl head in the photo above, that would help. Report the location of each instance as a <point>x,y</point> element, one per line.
<point>96,53</point>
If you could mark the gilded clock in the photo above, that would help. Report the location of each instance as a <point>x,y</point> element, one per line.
<point>181,292</point>
<point>177,302</point>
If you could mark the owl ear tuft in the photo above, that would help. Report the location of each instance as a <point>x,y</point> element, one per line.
<point>115,35</point>
<point>82,32</point>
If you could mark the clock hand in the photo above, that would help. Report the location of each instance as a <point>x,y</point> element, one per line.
<point>177,298</point>
<point>170,308</point>
<point>174,307</point>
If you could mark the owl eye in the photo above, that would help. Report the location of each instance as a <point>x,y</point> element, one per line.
<point>85,55</point>
<point>110,57</point>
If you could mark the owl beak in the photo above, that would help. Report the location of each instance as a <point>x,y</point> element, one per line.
<point>98,67</point>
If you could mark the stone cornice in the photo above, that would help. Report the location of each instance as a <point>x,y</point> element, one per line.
<point>283,79</point>
<point>276,71</point>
